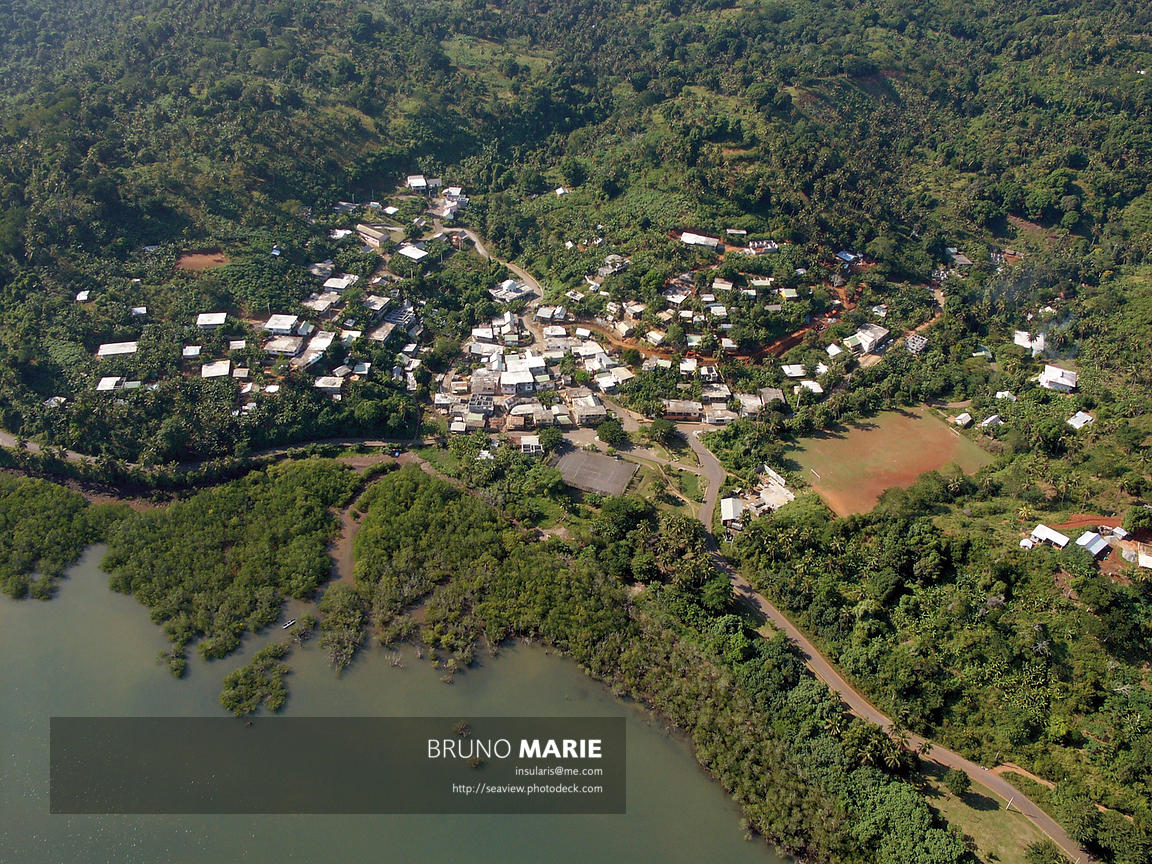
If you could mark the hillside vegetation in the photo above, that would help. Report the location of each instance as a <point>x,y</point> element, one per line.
<point>890,128</point>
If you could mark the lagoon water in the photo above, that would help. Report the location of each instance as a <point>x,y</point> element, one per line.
<point>92,652</point>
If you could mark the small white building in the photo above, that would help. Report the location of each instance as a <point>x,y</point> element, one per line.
<point>211,320</point>
<point>282,325</point>
<point>963,420</point>
<point>720,417</point>
<point>1055,378</point>
<point>750,404</point>
<point>867,339</point>
<point>216,369</point>
<point>339,284</point>
<point>413,252</point>
<point>517,381</point>
<point>115,349</point>
<point>1081,419</point>
<point>730,510</point>
<point>1096,545</point>
<point>286,346</point>
<point>656,337</point>
<point>690,239</point>
<point>509,290</point>
<point>1043,534</point>
<point>330,384</point>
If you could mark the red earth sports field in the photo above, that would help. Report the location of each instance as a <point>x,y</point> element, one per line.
<point>850,469</point>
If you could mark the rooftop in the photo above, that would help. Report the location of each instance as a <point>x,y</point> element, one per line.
<point>112,349</point>
<point>211,319</point>
<point>594,472</point>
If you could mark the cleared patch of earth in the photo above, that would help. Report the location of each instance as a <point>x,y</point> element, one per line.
<point>852,467</point>
<point>197,261</point>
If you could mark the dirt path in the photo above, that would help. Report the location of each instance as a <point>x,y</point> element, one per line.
<point>1010,768</point>
<point>340,550</point>
<point>1088,520</point>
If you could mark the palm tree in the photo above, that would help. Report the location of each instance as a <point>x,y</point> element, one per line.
<point>1024,514</point>
<point>834,724</point>
<point>900,737</point>
<point>1063,484</point>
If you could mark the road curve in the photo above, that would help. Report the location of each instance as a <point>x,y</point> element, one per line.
<point>823,669</point>
<point>713,471</point>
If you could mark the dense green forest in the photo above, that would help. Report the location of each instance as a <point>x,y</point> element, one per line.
<point>43,529</point>
<point>221,562</point>
<point>971,645</point>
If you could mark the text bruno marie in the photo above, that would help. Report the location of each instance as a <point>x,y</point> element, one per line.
<point>503,748</point>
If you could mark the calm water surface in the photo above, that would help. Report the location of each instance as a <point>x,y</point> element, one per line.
<point>92,652</point>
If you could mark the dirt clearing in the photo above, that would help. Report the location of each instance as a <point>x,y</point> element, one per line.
<point>851,468</point>
<point>197,261</point>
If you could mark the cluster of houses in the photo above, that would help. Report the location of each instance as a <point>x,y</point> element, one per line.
<point>1054,378</point>
<point>716,244</point>
<point>701,314</point>
<point>717,401</point>
<point>1098,543</point>
<point>514,390</point>
<point>770,493</point>
<point>446,202</point>
<point>380,313</point>
<point>380,316</point>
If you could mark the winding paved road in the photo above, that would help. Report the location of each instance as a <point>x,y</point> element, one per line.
<point>823,669</point>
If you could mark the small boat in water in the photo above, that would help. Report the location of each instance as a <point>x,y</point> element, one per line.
<point>289,624</point>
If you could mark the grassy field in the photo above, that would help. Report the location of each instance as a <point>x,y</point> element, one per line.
<point>652,485</point>
<point>1000,835</point>
<point>852,467</point>
<point>693,486</point>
